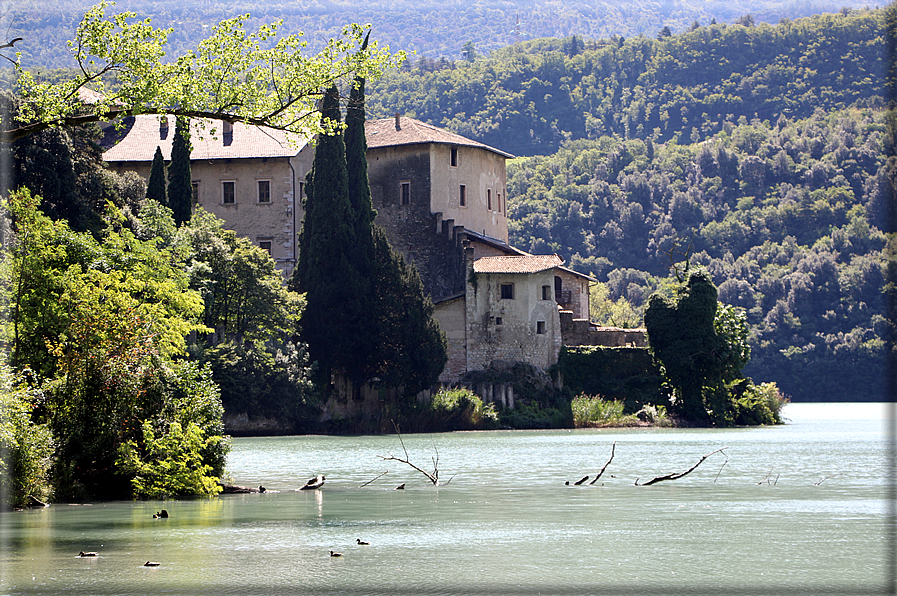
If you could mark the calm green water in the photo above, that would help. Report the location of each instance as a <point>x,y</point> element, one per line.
<point>505,523</point>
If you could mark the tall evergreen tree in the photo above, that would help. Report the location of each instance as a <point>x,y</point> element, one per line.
<point>180,182</point>
<point>400,342</point>
<point>326,272</point>
<point>155,187</point>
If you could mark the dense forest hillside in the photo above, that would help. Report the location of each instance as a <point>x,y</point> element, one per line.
<point>530,97</point>
<point>431,29</point>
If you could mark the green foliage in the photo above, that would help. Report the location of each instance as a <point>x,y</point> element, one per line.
<point>155,185</point>
<point>760,404</point>
<point>536,415</point>
<point>618,374</point>
<point>255,77</point>
<point>461,409</point>
<point>26,448</point>
<point>262,381</point>
<point>595,411</point>
<point>170,465</point>
<point>683,339</point>
<point>99,324</point>
<point>180,181</point>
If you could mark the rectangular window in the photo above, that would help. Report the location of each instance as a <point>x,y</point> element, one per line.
<point>264,191</point>
<point>265,245</point>
<point>195,192</point>
<point>540,327</point>
<point>498,199</point>
<point>489,199</point>
<point>507,291</point>
<point>462,198</point>
<point>498,321</point>
<point>546,292</point>
<point>406,193</point>
<point>454,157</point>
<point>228,192</point>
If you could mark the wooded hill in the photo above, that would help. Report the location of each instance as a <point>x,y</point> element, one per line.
<point>429,29</point>
<point>759,151</point>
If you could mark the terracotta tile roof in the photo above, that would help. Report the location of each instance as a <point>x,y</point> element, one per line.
<point>383,133</point>
<point>141,137</point>
<point>517,264</point>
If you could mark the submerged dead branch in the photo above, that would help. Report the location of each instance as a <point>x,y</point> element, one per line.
<point>612,449</point>
<point>374,478</point>
<point>432,477</point>
<point>677,475</point>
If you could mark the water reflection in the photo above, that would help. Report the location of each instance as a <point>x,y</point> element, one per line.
<point>506,523</point>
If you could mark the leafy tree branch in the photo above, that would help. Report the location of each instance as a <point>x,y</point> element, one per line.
<point>258,78</point>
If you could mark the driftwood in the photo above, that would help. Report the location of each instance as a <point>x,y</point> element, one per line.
<point>580,481</point>
<point>32,501</point>
<point>233,489</point>
<point>612,449</point>
<point>374,478</point>
<point>823,480</point>
<point>766,479</point>
<point>431,476</point>
<point>677,475</point>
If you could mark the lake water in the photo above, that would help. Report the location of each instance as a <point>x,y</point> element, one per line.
<point>805,508</point>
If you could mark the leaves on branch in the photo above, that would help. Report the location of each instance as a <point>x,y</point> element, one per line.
<point>258,78</point>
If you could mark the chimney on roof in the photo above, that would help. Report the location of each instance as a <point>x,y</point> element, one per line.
<point>398,126</point>
<point>228,134</point>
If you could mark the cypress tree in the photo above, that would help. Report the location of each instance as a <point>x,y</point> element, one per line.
<point>180,183</point>
<point>326,272</point>
<point>399,340</point>
<point>155,186</point>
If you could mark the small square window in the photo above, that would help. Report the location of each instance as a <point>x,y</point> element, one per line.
<point>454,157</point>
<point>264,191</point>
<point>507,291</point>
<point>228,192</point>
<point>546,292</point>
<point>265,245</point>
<point>540,327</point>
<point>406,193</point>
<point>462,197</point>
<point>498,321</point>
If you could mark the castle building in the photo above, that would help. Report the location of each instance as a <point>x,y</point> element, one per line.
<point>440,197</point>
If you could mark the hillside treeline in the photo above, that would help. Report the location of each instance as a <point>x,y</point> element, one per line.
<point>430,29</point>
<point>530,97</point>
<point>788,217</point>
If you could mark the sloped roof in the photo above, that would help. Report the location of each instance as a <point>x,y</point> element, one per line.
<point>517,264</point>
<point>142,135</point>
<point>385,133</point>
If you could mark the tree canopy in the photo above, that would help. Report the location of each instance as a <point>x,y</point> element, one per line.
<point>257,77</point>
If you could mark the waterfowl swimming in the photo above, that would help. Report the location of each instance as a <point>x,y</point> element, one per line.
<point>362,542</point>
<point>262,489</point>
<point>151,564</point>
<point>335,554</point>
<point>162,514</point>
<point>84,554</point>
